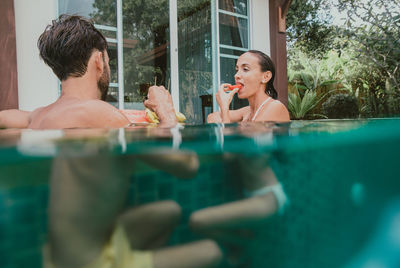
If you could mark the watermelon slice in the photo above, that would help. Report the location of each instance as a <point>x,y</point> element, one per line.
<point>232,87</point>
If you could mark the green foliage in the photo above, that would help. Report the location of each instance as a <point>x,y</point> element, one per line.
<point>332,71</point>
<point>375,28</point>
<point>377,97</point>
<point>306,29</point>
<point>341,106</point>
<point>311,80</point>
<point>366,57</point>
<point>301,107</point>
<point>379,36</point>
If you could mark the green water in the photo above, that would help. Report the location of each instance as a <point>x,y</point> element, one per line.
<point>339,177</point>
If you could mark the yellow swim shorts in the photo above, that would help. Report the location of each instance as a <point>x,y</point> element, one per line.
<point>116,254</point>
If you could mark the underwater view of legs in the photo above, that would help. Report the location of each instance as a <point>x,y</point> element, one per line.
<point>89,226</point>
<point>230,223</point>
<point>263,193</point>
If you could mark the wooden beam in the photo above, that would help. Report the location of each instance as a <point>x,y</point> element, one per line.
<point>8,57</point>
<point>278,46</point>
<point>282,12</point>
<point>285,4</point>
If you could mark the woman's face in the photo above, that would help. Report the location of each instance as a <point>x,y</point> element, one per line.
<point>250,76</point>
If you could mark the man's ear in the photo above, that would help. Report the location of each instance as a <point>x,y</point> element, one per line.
<point>266,76</point>
<point>99,62</point>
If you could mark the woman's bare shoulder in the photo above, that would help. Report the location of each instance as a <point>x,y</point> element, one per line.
<point>276,104</point>
<point>275,111</point>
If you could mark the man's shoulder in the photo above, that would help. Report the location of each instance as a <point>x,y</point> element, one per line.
<point>97,105</point>
<point>99,113</point>
<point>78,114</point>
<point>37,111</point>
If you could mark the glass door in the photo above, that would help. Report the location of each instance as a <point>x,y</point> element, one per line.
<point>195,59</point>
<point>146,49</point>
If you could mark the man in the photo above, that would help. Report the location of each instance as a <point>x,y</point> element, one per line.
<point>88,192</point>
<point>77,53</point>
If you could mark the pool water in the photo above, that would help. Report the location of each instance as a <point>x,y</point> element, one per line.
<point>340,179</point>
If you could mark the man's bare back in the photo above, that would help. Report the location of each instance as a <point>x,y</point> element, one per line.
<point>71,112</point>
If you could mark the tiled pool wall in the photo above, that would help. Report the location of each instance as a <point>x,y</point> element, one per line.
<point>23,225</point>
<point>325,224</point>
<point>23,209</point>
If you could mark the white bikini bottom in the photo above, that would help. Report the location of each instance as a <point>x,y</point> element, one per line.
<point>277,190</point>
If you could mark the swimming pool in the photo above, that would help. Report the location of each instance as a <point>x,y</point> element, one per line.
<point>339,177</point>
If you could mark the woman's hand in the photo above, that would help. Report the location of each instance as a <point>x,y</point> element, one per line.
<point>224,99</point>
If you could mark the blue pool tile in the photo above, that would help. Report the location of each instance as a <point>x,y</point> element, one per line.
<point>165,190</point>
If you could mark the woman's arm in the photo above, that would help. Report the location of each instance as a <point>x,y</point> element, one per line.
<point>234,115</point>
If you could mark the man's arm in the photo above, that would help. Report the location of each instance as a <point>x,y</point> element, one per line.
<point>160,101</point>
<point>14,118</point>
<point>181,164</point>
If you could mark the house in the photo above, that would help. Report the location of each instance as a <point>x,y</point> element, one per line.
<point>188,46</point>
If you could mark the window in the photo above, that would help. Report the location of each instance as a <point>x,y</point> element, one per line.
<point>187,46</point>
<point>195,57</point>
<point>233,40</point>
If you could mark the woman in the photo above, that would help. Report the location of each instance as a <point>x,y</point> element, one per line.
<point>255,73</point>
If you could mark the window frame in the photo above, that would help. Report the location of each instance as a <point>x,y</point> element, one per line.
<point>217,55</point>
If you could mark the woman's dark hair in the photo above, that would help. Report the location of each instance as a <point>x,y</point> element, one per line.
<point>67,44</point>
<point>266,64</point>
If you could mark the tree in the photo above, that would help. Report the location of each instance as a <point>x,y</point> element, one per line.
<point>375,27</point>
<point>306,28</point>
<point>369,41</point>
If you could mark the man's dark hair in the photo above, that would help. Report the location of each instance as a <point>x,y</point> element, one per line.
<point>67,44</point>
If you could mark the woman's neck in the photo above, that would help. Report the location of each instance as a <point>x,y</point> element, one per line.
<point>256,100</point>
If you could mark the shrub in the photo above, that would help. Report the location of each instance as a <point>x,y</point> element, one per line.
<point>301,107</point>
<point>341,106</point>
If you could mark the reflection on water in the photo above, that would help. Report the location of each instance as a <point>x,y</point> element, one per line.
<point>201,196</point>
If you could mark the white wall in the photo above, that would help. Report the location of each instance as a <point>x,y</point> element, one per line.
<point>37,85</point>
<point>259,25</point>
